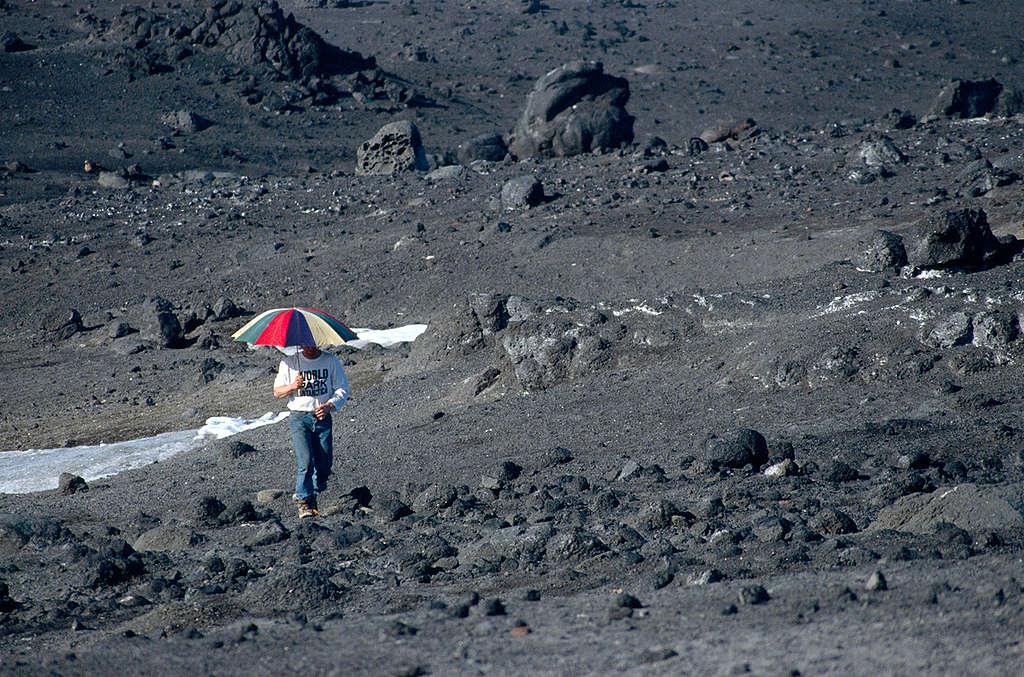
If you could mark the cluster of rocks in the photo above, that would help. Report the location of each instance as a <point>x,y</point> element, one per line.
<point>528,516</point>
<point>947,239</point>
<point>540,343</point>
<point>576,108</point>
<point>282,64</point>
<point>153,323</point>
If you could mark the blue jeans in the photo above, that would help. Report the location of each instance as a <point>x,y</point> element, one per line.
<point>314,452</point>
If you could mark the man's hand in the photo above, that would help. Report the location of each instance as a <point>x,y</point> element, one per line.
<point>323,411</point>
<point>293,387</point>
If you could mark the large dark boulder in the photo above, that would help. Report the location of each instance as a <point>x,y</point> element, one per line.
<point>736,449</point>
<point>158,323</point>
<point>976,98</point>
<point>959,237</point>
<point>576,108</point>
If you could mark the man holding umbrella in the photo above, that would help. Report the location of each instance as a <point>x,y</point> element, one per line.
<point>315,385</point>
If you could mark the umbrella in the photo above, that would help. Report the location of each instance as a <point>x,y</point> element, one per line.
<point>284,327</point>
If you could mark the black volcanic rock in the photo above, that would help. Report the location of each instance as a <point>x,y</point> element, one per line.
<point>10,42</point>
<point>833,521</point>
<point>884,252</point>
<point>521,192</point>
<point>70,483</point>
<point>736,449</point>
<point>288,587</point>
<point>488,147</point>
<point>975,98</point>
<point>959,237</point>
<point>157,322</point>
<point>575,108</point>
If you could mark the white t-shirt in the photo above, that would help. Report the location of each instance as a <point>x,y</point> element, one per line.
<point>323,380</point>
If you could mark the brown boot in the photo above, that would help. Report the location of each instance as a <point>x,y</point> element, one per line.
<point>307,507</point>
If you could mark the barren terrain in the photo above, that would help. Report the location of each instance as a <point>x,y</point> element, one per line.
<point>681,408</point>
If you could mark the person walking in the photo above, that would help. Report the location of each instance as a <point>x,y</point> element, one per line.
<point>316,386</point>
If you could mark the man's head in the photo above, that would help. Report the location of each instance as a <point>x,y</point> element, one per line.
<point>310,352</point>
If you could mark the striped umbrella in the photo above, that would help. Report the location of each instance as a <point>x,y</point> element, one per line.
<point>284,327</point>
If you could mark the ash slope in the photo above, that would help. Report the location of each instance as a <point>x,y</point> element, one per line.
<point>544,444</point>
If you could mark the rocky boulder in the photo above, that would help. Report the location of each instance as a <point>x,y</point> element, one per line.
<point>548,349</point>
<point>256,33</point>
<point>487,147</point>
<point>959,237</point>
<point>288,587</point>
<point>575,108</point>
<point>69,483</point>
<point>184,121</point>
<point>880,152</point>
<point>395,148</point>
<point>884,252</point>
<point>158,323</point>
<point>168,538</point>
<point>968,506</point>
<point>736,449</point>
<point>522,192</point>
<point>725,130</point>
<point>976,98</point>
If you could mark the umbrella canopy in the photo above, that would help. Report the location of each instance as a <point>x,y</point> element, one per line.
<point>284,327</point>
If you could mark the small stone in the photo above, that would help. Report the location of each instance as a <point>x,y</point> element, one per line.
<point>72,484</point>
<point>268,496</point>
<point>705,577</point>
<point>494,607</point>
<point>522,192</point>
<point>657,654</point>
<point>784,468</point>
<point>877,582</point>
<point>753,594</point>
<point>631,470</point>
<point>556,456</point>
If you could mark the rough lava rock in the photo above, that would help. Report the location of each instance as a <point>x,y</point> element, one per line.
<point>522,192</point>
<point>976,98</point>
<point>396,147</point>
<point>884,252</point>
<point>960,237</point>
<point>736,449</point>
<point>575,108</point>
<point>486,147</point>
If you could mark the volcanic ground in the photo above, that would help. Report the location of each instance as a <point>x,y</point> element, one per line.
<point>723,365</point>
